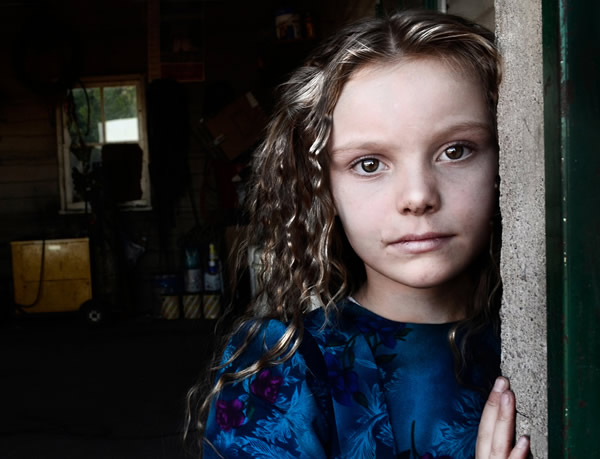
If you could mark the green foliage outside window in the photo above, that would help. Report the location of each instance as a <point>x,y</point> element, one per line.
<point>88,112</point>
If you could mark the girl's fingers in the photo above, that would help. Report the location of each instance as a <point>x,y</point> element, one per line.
<point>496,429</point>
<point>505,427</point>
<point>489,418</point>
<point>521,449</point>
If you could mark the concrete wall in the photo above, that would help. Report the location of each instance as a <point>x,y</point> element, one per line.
<point>519,31</point>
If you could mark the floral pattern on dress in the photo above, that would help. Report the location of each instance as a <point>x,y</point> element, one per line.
<point>353,394</point>
<point>266,386</point>
<point>230,414</point>
<point>460,433</point>
<point>340,357</point>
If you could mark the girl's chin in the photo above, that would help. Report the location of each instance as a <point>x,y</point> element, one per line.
<point>419,279</point>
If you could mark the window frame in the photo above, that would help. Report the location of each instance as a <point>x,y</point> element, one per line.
<point>67,204</point>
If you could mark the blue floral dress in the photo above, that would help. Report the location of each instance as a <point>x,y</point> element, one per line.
<point>362,387</point>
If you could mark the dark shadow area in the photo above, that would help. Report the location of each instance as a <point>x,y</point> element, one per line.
<point>127,125</point>
<point>117,391</point>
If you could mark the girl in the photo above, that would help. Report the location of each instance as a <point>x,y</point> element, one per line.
<point>375,204</point>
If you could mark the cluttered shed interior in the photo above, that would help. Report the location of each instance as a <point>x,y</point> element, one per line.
<point>126,132</point>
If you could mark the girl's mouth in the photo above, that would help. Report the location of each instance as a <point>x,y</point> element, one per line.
<point>421,243</point>
<point>421,237</point>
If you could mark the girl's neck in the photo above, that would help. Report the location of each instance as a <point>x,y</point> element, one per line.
<point>435,305</point>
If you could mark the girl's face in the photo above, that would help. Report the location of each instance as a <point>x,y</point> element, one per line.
<point>413,166</point>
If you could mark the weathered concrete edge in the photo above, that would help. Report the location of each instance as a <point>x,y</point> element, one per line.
<point>522,202</point>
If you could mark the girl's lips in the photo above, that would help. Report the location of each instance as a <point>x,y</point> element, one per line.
<point>421,243</point>
<point>421,237</point>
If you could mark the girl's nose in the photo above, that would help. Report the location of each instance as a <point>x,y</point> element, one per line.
<point>418,192</point>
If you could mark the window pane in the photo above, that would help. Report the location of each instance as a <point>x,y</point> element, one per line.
<point>81,175</point>
<point>82,127</point>
<point>120,111</point>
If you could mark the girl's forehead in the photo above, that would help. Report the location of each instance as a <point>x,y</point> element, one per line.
<point>416,74</point>
<point>408,101</point>
<point>433,63</point>
<point>403,77</point>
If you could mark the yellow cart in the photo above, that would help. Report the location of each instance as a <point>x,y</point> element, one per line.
<point>53,276</point>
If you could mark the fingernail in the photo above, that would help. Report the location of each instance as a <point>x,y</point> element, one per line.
<point>499,385</point>
<point>505,399</point>
<point>523,442</point>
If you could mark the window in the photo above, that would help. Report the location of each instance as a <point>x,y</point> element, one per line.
<point>102,145</point>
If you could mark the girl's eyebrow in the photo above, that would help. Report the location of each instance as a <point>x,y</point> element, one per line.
<point>359,145</point>
<point>475,128</point>
<point>462,126</point>
<point>466,126</point>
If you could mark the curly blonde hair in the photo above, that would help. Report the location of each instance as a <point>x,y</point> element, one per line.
<point>306,259</point>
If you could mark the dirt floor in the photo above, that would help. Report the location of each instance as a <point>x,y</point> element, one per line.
<point>70,391</point>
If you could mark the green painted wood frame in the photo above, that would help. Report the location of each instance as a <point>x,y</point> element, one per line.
<point>571,31</point>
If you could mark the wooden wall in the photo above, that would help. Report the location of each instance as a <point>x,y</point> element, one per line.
<point>108,37</point>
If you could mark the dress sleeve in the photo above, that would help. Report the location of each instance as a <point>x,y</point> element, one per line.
<point>281,412</point>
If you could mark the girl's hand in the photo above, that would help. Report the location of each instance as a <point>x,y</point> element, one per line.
<point>497,425</point>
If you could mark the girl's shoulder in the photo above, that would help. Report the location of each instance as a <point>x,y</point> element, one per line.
<point>267,333</point>
<point>283,409</point>
<point>319,328</point>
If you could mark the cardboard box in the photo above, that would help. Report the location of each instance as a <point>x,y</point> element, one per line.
<point>238,126</point>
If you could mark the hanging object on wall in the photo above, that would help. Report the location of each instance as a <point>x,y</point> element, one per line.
<point>175,42</point>
<point>122,170</point>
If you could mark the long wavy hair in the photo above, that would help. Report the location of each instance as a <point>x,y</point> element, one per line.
<point>306,259</point>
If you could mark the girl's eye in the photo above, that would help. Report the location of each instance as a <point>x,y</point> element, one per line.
<point>368,165</point>
<point>455,152</point>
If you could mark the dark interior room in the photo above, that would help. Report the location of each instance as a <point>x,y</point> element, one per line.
<point>126,129</point>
